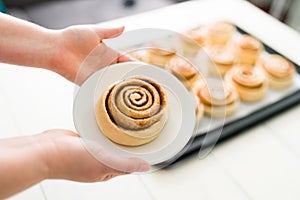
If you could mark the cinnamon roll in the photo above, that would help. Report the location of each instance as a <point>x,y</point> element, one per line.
<point>247,49</point>
<point>192,41</point>
<point>218,98</point>
<point>132,112</point>
<point>219,33</point>
<point>159,57</point>
<point>199,109</point>
<point>251,82</point>
<point>280,71</point>
<point>221,60</point>
<point>183,70</point>
<point>139,55</point>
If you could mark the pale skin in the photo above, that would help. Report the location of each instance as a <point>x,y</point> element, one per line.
<point>56,154</point>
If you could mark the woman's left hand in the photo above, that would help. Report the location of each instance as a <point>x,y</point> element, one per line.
<point>81,51</point>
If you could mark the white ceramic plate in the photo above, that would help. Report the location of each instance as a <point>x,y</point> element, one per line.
<point>177,131</point>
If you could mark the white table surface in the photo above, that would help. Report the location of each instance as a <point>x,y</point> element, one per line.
<point>261,163</point>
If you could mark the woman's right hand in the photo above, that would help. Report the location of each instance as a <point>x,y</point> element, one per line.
<point>68,158</point>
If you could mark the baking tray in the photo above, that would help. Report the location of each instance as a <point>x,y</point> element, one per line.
<point>204,142</point>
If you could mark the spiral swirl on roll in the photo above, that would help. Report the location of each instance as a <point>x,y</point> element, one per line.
<point>216,93</point>
<point>136,103</point>
<point>136,108</point>
<point>250,82</point>
<point>248,76</point>
<point>219,99</point>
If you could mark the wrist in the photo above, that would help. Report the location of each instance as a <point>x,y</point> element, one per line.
<point>63,60</point>
<point>42,146</point>
<point>46,154</point>
<point>53,59</point>
<point>55,151</point>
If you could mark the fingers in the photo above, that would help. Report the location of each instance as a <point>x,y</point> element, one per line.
<point>61,132</point>
<point>131,165</point>
<point>106,33</point>
<point>124,58</point>
<point>111,33</point>
<point>109,175</point>
<point>101,56</point>
<point>115,162</point>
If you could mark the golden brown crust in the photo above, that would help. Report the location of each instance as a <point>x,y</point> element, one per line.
<point>278,66</point>
<point>248,76</point>
<point>182,67</point>
<point>221,55</point>
<point>219,99</point>
<point>199,109</point>
<point>192,41</point>
<point>247,49</point>
<point>184,70</point>
<point>222,59</point>
<point>250,82</point>
<point>159,57</point>
<point>196,35</point>
<point>132,112</point>
<point>279,70</point>
<point>219,33</point>
<point>248,42</point>
<point>139,55</point>
<point>161,52</point>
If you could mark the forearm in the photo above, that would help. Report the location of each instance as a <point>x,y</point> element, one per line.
<point>62,51</point>
<point>24,43</point>
<point>22,164</point>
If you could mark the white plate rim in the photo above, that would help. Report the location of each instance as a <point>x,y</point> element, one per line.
<point>188,114</point>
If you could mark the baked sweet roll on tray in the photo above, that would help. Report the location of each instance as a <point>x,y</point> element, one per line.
<point>138,54</point>
<point>159,56</point>
<point>221,59</point>
<point>237,72</point>
<point>184,70</point>
<point>219,33</point>
<point>238,59</point>
<point>280,72</point>
<point>247,49</point>
<point>192,41</point>
<point>251,83</point>
<point>218,98</point>
<point>231,94</point>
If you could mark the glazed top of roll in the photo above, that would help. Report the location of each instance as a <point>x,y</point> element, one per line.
<point>182,67</point>
<point>216,93</point>
<point>246,76</point>
<point>162,52</point>
<point>139,55</point>
<point>195,35</point>
<point>221,28</point>
<point>136,104</point>
<point>221,55</point>
<point>247,42</point>
<point>278,66</point>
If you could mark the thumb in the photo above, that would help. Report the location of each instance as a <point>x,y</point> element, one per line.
<point>106,33</point>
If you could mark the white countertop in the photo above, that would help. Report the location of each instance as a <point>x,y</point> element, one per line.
<point>261,163</point>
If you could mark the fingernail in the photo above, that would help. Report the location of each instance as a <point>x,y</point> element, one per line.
<point>144,167</point>
<point>121,28</point>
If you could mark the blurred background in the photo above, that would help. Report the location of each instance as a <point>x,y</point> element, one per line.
<point>61,13</point>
